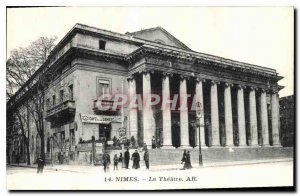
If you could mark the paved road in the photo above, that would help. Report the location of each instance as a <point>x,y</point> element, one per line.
<point>267,174</point>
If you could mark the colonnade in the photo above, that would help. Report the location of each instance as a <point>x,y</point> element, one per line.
<point>148,120</point>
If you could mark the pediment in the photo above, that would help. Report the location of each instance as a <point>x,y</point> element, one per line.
<point>159,35</point>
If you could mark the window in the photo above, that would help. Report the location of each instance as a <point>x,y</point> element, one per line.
<point>72,136</point>
<point>48,144</point>
<point>61,95</point>
<point>62,139</point>
<point>55,140</point>
<point>37,140</point>
<point>32,143</point>
<point>71,91</point>
<point>102,44</point>
<point>53,100</point>
<point>103,87</point>
<point>47,103</point>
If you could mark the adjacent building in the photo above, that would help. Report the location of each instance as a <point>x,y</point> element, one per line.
<point>287,120</point>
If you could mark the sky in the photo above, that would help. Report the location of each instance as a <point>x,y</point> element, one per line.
<point>258,35</point>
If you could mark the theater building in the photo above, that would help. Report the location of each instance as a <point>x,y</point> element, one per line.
<point>239,102</point>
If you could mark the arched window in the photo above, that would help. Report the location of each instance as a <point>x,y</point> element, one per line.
<point>48,144</point>
<point>37,139</point>
<point>32,143</point>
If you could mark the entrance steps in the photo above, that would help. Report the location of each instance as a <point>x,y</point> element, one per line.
<point>218,154</point>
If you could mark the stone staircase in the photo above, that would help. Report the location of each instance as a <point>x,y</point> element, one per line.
<point>219,154</point>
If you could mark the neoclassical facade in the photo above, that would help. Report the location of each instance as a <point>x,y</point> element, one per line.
<point>239,102</point>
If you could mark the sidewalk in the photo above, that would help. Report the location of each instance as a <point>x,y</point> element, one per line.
<point>93,169</point>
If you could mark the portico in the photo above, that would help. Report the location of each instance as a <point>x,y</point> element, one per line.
<point>236,114</point>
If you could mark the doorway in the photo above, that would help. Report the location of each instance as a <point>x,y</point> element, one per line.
<point>105,131</point>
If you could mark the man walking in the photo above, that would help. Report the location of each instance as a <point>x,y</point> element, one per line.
<point>106,161</point>
<point>146,159</point>
<point>116,161</point>
<point>40,162</point>
<point>127,158</point>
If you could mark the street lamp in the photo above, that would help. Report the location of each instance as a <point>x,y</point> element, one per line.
<point>200,153</point>
<point>51,149</point>
<point>199,114</point>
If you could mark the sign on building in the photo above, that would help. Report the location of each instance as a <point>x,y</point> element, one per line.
<point>99,119</point>
<point>199,114</point>
<point>122,135</point>
<point>199,110</point>
<point>83,147</point>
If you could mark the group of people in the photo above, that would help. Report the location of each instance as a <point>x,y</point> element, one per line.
<point>135,160</point>
<point>155,142</point>
<point>186,160</point>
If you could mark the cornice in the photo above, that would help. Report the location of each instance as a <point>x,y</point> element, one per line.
<point>210,63</point>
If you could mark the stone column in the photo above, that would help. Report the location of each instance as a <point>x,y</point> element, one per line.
<point>133,128</point>
<point>275,118</point>
<point>228,115</point>
<point>253,118</point>
<point>148,130</point>
<point>241,116</point>
<point>264,118</point>
<point>184,119</point>
<point>199,99</point>
<point>166,111</point>
<point>214,114</point>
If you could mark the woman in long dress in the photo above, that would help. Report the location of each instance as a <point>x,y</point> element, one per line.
<point>188,164</point>
<point>136,160</point>
<point>183,158</point>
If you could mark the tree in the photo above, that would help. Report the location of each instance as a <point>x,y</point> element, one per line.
<point>20,68</point>
<point>23,62</point>
<point>24,125</point>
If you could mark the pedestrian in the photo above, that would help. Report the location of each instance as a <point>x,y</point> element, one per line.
<point>136,160</point>
<point>183,158</point>
<point>146,159</point>
<point>40,163</point>
<point>106,161</point>
<point>158,143</point>
<point>188,164</point>
<point>153,142</point>
<point>144,147</point>
<point>116,161</point>
<point>127,158</point>
<point>120,158</point>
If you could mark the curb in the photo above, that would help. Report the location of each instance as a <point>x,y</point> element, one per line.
<point>46,168</point>
<point>221,164</point>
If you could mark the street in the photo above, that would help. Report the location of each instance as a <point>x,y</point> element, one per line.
<point>254,175</point>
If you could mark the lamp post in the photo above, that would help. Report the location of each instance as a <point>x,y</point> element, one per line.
<point>199,114</point>
<point>51,149</point>
<point>200,153</point>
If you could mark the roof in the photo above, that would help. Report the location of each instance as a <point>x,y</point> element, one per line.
<point>131,38</point>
